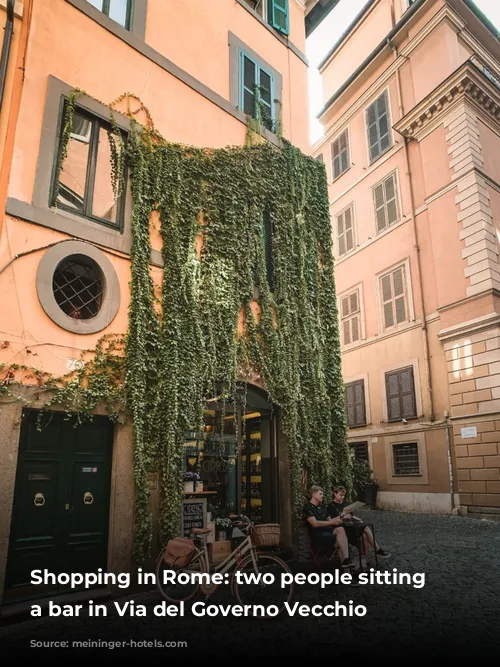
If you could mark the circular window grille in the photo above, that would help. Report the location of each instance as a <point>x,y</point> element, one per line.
<point>78,287</point>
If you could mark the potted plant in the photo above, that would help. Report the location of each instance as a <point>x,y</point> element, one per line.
<point>222,527</point>
<point>364,486</point>
<point>190,479</point>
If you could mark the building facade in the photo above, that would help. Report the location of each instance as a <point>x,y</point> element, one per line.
<point>194,69</point>
<point>411,143</point>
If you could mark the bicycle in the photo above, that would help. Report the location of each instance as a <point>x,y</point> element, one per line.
<point>189,556</point>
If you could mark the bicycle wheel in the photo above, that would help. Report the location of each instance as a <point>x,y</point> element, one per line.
<point>265,594</point>
<point>176,591</point>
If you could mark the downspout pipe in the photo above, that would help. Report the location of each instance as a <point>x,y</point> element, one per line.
<point>7,40</point>
<point>416,246</point>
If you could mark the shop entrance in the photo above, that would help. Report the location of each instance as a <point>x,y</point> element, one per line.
<point>60,512</point>
<point>236,457</point>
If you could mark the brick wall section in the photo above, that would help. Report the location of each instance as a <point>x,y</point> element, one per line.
<point>474,381</point>
<point>473,202</point>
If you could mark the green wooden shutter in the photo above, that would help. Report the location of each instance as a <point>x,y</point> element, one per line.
<point>279,15</point>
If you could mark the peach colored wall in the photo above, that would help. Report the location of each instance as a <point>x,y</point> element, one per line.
<point>362,41</point>
<point>435,161</point>
<point>447,249</point>
<point>35,340</point>
<point>434,60</point>
<point>494,196</point>
<point>490,143</point>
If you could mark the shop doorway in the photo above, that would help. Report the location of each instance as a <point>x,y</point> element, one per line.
<point>61,501</point>
<point>236,457</point>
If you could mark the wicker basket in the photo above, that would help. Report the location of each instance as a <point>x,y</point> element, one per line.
<point>266,535</point>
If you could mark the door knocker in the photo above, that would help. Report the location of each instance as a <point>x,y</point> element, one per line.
<point>39,499</point>
<point>88,498</point>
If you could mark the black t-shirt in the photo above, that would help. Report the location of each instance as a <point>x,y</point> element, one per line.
<point>320,512</point>
<point>336,509</point>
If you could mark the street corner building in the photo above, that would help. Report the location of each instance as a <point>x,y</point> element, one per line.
<point>115,120</point>
<point>411,122</point>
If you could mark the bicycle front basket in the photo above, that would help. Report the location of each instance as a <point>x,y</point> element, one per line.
<point>267,535</point>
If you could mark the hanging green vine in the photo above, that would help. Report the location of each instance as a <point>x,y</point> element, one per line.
<point>176,356</point>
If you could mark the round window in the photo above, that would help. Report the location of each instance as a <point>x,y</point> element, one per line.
<point>78,287</point>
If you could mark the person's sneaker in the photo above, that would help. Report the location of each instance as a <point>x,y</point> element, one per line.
<point>383,554</point>
<point>347,563</point>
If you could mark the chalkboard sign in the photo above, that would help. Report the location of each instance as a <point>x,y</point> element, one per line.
<point>194,515</point>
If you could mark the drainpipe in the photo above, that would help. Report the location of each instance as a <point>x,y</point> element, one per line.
<point>454,506</point>
<point>425,335</point>
<point>7,39</point>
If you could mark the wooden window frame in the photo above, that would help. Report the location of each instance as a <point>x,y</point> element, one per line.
<point>373,158</point>
<point>406,294</point>
<point>350,316</point>
<point>397,372</point>
<point>283,7</point>
<point>382,183</point>
<point>258,68</point>
<point>339,215</point>
<point>351,386</point>
<point>97,123</point>
<point>338,156</point>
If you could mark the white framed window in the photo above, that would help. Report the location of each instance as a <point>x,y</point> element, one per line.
<point>378,126</point>
<point>395,296</point>
<point>350,316</point>
<point>344,229</point>
<point>385,201</point>
<point>259,7</point>
<point>340,154</point>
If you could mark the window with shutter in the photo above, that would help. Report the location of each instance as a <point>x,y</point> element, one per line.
<point>386,204</point>
<point>259,7</point>
<point>256,92</point>
<point>350,313</point>
<point>393,290</point>
<point>377,124</point>
<point>355,403</point>
<point>340,154</point>
<point>279,15</point>
<point>345,231</point>
<point>400,394</point>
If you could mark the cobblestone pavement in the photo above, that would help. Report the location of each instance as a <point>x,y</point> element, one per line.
<point>456,613</point>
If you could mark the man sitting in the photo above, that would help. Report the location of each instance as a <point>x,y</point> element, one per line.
<point>338,509</point>
<point>320,525</point>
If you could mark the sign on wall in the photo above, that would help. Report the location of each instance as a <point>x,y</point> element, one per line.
<point>194,515</point>
<point>468,432</point>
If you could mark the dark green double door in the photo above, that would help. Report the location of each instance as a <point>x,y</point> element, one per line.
<point>60,512</point>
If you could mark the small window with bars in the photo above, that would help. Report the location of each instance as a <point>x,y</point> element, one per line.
<point>345,231</point>
<point>378,122</point>
<point>359,451</point>
<point>355,403</point>
<point>400,394</point>
<point>394,293</point>
<point>386,203</point>
<point>340,154</point>
<point>405,459</point>
<point>351,318</point>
